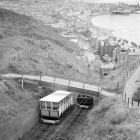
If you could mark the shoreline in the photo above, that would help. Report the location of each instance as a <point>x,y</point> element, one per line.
<point>103,31</point>
<point>115,33</point>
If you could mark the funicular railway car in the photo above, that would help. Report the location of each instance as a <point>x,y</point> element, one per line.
<point>53,106</point>
<point>84,101</point>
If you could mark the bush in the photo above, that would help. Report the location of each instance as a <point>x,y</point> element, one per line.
<point>118,119</point>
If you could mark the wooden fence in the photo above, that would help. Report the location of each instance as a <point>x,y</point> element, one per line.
<point>130,102</point>
<point>26,51</point>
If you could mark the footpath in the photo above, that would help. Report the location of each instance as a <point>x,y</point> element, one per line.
<point>61,81</point>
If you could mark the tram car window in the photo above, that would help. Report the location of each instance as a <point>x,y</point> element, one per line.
<point>84,101</point>
<point>48,105</point>
<point>42,105</point>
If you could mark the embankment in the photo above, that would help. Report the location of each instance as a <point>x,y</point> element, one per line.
<point>18,125</point>
<point>19,109</point>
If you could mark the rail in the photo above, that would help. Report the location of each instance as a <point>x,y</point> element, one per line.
<point>67,122</point>
<point>81,118</point>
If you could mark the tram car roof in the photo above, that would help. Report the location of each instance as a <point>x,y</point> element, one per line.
<point>56,96</point>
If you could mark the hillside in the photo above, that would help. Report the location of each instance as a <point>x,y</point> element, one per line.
<point>112,120</point>
<point>28,46</point>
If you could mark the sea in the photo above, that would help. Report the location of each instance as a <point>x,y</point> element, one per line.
<point>124,26</point>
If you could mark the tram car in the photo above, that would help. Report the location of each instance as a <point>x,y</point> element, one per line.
<point>84,101</point>
<point>54,105</point>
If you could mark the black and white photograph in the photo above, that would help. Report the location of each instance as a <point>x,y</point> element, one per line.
<point>69,69</point>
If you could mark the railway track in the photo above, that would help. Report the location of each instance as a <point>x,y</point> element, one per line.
<point>74,128</point>
<point>55,132</point>
<point>47,131</point>
<point>48,135</point>
<point>58,134</point>
<point>80,120</point>
<point>66,123</point>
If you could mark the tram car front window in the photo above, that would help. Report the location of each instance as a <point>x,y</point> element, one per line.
<point>84,101</point>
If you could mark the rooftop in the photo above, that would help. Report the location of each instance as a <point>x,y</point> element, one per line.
<point>56,96</point>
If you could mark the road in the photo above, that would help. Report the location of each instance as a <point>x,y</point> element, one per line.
<point>60,81</point>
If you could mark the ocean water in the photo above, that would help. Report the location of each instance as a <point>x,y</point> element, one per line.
<point>125,26</point>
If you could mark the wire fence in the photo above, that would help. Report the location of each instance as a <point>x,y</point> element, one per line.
<point>55,81</point>
<point>34,46</point>
<point>26,51</point>
<point>131,102</point>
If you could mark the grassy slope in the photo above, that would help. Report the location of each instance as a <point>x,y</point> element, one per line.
<point>18,32</point>
<point>112,120</point>
<point>13,99</point>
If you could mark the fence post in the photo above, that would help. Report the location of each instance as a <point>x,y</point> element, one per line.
<point>40,78</point>
<point>22,82</point>
<point>68,85</point>
<point>128,102</point>
<point>14,58</point>
<point>125,96</point>
<point>130,71</point>
<point>99,88</point>
<point>54,83</point>
<point>132,102</point>
<point>133,69</point>
<point>83,86</point>
<point>127,74</point>
<point>9,63</point>
<point>18,54</point>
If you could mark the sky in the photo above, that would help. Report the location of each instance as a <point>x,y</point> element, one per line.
<point>116,1</point>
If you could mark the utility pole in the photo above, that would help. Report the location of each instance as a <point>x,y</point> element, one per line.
<point>40,78</point>
<point>9,63</point>
<point>101,77</point>
<point>22,82</point>
<point>124,61</point>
